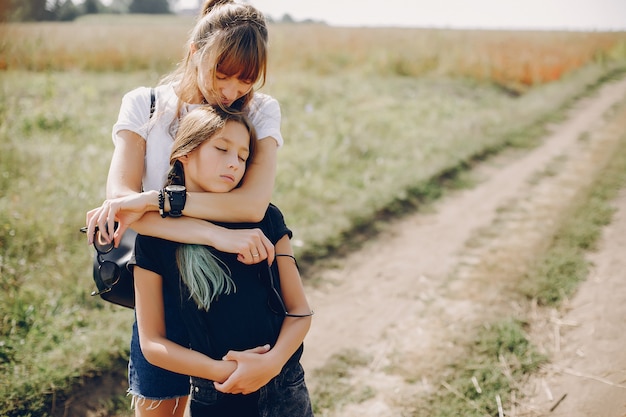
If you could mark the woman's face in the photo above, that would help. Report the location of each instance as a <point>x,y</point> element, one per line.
<point>218,165</point>
<point>223,89</point>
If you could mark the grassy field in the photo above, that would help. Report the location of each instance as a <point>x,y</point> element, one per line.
<point>372,119</point>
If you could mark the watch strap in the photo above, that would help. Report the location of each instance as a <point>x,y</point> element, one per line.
<point>177,201</point>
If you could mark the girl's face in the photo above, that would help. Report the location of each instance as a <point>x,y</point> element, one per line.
<point>218,165</point>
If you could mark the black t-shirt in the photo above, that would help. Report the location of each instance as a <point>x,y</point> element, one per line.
<point>237,321</point>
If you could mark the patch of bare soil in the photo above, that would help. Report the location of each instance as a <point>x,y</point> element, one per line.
<point>410,296</point>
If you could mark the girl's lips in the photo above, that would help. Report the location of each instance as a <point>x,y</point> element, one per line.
<point>229,178</point>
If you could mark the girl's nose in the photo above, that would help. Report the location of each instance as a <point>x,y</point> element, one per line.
<point>233,162</point>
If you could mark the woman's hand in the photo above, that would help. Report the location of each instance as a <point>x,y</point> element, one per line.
<point>254,370</point>
<point>250,245</point>
<point>125,210</point>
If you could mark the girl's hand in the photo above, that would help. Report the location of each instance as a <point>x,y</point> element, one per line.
<point>254,370</point>
<point>250,245</point>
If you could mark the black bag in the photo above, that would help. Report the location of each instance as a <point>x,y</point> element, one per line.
<point>122,291</point>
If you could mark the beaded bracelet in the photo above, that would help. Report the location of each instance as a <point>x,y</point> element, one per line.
<point>162,204</point>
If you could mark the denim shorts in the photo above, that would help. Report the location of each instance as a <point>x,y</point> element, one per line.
<point>284,396</point>
<point>151,382</point>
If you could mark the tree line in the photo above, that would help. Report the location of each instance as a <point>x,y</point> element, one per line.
<point>67,10</point>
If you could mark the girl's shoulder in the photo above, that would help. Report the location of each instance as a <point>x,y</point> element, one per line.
<point>274,224</point>
<point>274,212</point>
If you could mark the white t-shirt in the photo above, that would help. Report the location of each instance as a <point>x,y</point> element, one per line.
<point>263,112</point>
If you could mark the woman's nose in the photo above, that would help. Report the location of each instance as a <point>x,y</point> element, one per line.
<point>231,91</point>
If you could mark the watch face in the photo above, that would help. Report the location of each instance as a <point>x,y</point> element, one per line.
<point>175,188</point>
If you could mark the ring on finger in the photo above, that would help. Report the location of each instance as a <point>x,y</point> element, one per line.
<point>255,255</point>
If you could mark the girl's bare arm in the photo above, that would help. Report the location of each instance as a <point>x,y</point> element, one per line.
<point>254,371</point>
<point>155,346</point>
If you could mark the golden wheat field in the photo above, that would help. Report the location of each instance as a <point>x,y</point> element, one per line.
<point>514,59</point>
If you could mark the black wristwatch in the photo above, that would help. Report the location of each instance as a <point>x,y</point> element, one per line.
<point>177,196</point>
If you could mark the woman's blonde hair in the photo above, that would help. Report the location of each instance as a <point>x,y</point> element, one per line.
<point>205,276</point>
<point>230,38</point>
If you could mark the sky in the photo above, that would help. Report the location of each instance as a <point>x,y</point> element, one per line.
<point>481,14</point>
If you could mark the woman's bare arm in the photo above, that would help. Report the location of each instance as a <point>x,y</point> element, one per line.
<point>250,245</point>
<point>127,165</point>
<point>247,203</point>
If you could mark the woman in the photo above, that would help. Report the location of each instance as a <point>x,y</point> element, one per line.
<point>226,56</point>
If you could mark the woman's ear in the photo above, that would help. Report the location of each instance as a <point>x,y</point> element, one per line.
<point>193,48</point>
<point>183,159</point>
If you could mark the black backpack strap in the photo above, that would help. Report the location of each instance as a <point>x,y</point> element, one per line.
<point>152,102</point>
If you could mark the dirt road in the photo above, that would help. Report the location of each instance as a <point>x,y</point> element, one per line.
<point>409,296</point>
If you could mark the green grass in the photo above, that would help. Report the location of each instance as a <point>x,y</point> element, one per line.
<point>333,387</point>
<point>496,363</point>
<point>500,359</point>
<point>355,147</point>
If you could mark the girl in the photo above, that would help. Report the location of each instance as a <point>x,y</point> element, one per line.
<point>223,302</point>
<point>226,56</point>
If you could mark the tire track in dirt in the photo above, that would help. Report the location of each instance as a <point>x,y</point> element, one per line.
<point>407,296</point>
